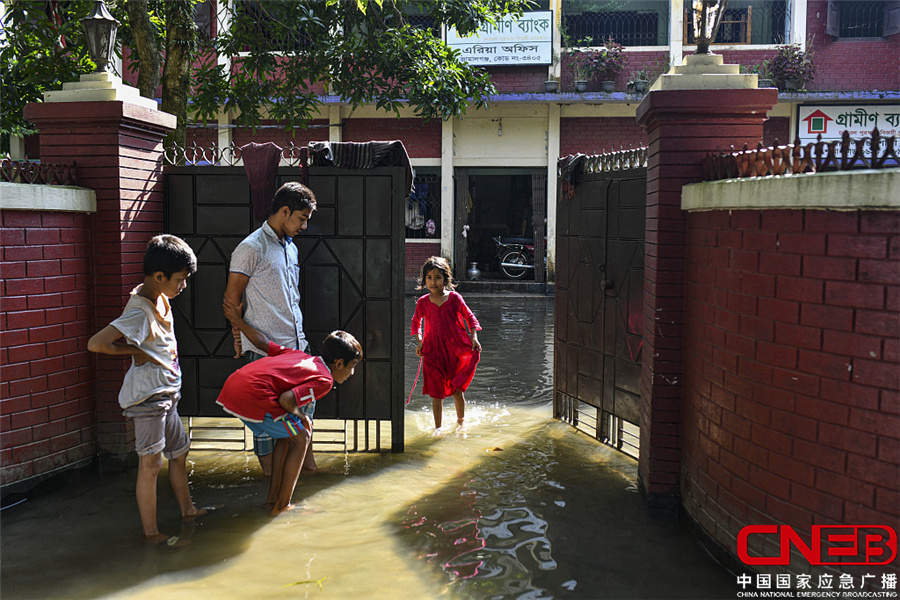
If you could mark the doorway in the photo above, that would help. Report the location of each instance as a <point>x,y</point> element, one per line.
<point>499,203</point>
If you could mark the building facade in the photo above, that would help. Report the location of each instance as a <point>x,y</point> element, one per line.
<point>483,175</point>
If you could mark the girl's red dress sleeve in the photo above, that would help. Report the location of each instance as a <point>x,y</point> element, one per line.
<point>417,317</point>
<point>467,315</point>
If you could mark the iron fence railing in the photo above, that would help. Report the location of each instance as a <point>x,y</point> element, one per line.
<point>630,23</point>
<point>875,152</point>
<point>568,167</point>
<point>222,156</point>
<point>25,171</point>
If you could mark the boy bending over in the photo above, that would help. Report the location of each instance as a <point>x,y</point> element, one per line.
<point>276,395</point>
<point>152,385</point>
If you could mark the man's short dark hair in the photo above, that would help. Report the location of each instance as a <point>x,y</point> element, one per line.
<point>295,196</point>
<point>169,254</point>
<point>340,344</point>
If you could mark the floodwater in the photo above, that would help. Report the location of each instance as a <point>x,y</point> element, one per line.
<point>515,506</point>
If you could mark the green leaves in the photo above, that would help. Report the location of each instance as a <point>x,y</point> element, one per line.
<point>273,60</point>
<point>44,49</point>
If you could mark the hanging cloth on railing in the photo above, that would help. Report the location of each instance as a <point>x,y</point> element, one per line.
<point>261,166</point>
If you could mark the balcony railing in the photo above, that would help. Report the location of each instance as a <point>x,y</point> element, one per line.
<point>846,154</point>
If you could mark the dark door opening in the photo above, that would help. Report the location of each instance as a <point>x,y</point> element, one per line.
<point>504,203</point>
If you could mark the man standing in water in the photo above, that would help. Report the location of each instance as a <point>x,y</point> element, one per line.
<point>265,276</point>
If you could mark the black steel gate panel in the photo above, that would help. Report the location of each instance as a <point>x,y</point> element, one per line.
<point>599,305</point>
<point>351,278</point>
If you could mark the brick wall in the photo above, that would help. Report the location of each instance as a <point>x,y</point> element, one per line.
<point>421,140</point>
<point>589,135</point>
<point>792,386</point>
<point>280,136</point>
<point>519,80</point>
<point>47,387</point>
<point>416,255</point>
<point>850,64</point>
<point>117,147</point>
<point>777,129</point>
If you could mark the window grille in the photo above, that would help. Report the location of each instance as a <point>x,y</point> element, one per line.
<point>628,22</point>
<point>863,18</point>
<point>746,22</point>
<point>259,25</point>
<point>425,23</point>
<point>423,208</point>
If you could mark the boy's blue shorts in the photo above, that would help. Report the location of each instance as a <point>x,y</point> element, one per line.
<point>288,426</point>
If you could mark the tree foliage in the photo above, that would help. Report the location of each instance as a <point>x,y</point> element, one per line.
<point>44,47</point>
<point>272,63</point>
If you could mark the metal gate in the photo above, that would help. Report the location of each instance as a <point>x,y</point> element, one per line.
<point>599,303</point>
<point>352,277</point>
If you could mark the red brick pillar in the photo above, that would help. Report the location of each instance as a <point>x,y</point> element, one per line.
<point>682,127</point>
<point>117,147</point>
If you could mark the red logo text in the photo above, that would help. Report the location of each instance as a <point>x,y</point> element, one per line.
<point>829,544</point>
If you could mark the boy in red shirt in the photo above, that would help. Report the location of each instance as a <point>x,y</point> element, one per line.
<point>277,394</point>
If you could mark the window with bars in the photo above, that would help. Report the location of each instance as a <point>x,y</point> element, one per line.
<point>746,22</point>
<point>628,22</point>
<point>863,18</point>
<point>258,26</point>
<point>422,212</point>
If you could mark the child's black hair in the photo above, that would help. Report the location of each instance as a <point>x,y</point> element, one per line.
<point>295,196</point>
<point>441,264</point>
<point>169,254</point>
<point>340,344</point>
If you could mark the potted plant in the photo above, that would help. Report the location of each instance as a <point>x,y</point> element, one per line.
<point>581,63</point>
<point>551,85</point>
<point>792,68</point>
<point>607,63</point>
<point>642,78</point>
<point>764,77</point>
<point>640,81</point>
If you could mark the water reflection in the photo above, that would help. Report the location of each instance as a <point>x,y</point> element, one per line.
<point>518,506</point>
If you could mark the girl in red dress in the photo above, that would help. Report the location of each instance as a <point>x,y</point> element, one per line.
<point>448,343</point>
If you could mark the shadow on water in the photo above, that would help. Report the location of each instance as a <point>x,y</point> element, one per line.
<point>514,506</point>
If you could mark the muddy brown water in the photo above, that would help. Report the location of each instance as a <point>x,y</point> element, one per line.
<point>516,506</point>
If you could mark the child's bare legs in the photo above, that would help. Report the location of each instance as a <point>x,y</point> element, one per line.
<point>265,463</point>
<point>145,491</point>
<point>278,456</point>
<point>178,479</point>
<point>437,407</point>
<point>309,463</point>
<point>296,447</point>
<point>460,401</point>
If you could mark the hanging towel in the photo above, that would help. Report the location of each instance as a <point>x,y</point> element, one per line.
<point>261,165</point>
<point>363,155</point>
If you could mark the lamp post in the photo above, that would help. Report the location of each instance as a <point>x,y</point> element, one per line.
<point>100,30</point>
<point>707,16</point>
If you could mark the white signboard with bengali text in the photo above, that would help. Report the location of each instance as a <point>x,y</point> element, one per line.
<point>831,121</point>
<point>527,40</point>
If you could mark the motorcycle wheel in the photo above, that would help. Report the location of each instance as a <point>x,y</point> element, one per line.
<point>515,257</point>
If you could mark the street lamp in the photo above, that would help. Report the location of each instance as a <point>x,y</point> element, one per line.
<point>707,15</point>
<point>100,30</point>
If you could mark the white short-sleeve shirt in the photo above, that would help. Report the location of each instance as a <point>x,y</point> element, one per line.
<point>272,296</point>
<point>144,326</point>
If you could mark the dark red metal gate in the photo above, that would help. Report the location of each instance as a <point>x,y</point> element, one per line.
<point>599,304</point>
<point>352,277</point>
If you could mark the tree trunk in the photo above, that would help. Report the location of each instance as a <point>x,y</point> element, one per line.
<point>145,43</point>
<point>176,76</point>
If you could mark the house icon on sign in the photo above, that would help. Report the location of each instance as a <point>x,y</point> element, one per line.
<point>817,122</point>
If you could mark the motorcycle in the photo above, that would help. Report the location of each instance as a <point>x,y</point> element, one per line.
<point>516,256</point>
